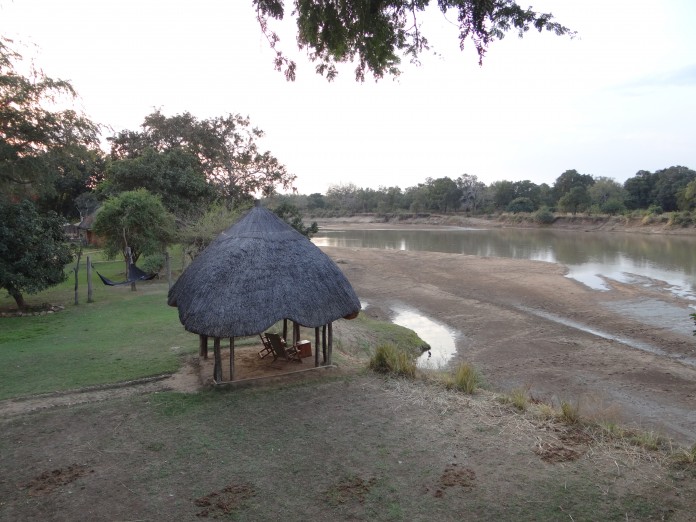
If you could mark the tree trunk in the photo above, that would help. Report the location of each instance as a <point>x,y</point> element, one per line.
<point>168,264</point>
<point>18,297</point>
<point>89,280</point>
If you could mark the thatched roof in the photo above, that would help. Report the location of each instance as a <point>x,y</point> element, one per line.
<point>257,272</point>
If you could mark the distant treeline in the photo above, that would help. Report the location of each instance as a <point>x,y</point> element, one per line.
<point>667,190</point>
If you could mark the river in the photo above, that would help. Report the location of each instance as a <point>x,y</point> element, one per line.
<point>592,258</point>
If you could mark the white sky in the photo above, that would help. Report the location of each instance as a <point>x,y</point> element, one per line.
<point>619,98</point>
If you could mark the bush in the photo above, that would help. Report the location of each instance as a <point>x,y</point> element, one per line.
<point>153,264</point>
<point>543,216</point>
<point>389,359</point>
<point>520,205</point>
<point>612,207</point>
<point>466,379</point>
<point>516,398</point>
<point>680,219</point>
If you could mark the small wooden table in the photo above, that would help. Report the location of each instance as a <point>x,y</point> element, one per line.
<point>304,348</point>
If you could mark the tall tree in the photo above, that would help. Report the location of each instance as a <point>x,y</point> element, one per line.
<point>472,191</point>
<point>38,142</point>
<point>503,193</point>
<point>226,149</point>
<point>575,200</point>
<point>669,184</point>
<point>569,180</point>
<point>377,33</point>
<point>33,251</point>
<point>639,190</point>
<point>444,194</point>
<point>607,195</point>
<point>175,175</point>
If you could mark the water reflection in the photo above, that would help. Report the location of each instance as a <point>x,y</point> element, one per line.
<point>591,257</point>
<point>438,336</point>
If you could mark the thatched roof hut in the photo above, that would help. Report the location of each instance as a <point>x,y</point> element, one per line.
<point>256,273</point>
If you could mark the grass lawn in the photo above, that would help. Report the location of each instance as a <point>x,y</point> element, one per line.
<point>122,335</point>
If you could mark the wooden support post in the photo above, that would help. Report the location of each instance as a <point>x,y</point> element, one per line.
<point>77,270</point>
<point>316,347</point>
<point>323,344</point>
<point>285,329</point>
<point>217,369</point>
<point>203,346</point>
<point>89,280</point>
<point>231,358</point>
<point>330,341</point>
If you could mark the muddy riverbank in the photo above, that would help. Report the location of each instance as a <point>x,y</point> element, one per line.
<point>525,325</point>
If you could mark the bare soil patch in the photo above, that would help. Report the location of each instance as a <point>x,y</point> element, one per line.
<point>342,447</point>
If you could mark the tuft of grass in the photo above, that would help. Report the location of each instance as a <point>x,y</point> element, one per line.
<point>516,398</point>
<point>612,430</point>
<point>465,378</point>
<point>570,413</point>
<point>685,456</point>
<point>389,359</point>
<point>646,439</point>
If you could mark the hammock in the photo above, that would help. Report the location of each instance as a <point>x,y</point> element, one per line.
<point>134,274</point>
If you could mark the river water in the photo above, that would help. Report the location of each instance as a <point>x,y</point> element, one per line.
<point>666,263</point>
<point>591,257</point>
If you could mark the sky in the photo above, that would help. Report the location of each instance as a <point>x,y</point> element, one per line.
<point>618,98</point>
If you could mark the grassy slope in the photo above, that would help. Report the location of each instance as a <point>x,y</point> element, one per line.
<point>123,335</point>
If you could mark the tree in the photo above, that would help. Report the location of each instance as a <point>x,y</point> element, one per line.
<point>76,179</point>
<point>316,201</point>
<point>444,194</point>
<point>575,200</point>
<point>607,195</point>
<point>521,205</point>
<point>503,193</point>
<point>135,220</point>
<point>669,184</point>
<point>175,175</point>
<point>639,190</point>
<point>472,190</point>
<point>38,142</point>
<point>377,33</point>
<point>196,236</point>
<point>570,179</point>
<point>33,251</point>
<point>226,149</point>
<point>291,215</point>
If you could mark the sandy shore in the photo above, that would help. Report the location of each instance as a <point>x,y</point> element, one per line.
<point>525,325</point>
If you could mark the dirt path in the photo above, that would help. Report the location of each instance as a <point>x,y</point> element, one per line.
<point>525,326</point>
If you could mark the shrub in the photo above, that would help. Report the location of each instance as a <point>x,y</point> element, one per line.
<point>466,379</point>
<point>544,216</point>
<point>612,207</point>
<point>655,209</point>
<point>520,205</point>
<point>680,219</point>
<point>389,359</point>
<point>517,398</point>
<point>570,414</point>
<point>153,264</point>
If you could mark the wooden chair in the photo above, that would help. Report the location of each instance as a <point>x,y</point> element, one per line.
<point>267,348</point>
<point>281,349</point>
